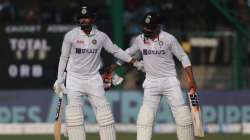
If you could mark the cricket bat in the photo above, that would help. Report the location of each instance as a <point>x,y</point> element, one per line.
<point>196,114</point>
<point>58,123</point>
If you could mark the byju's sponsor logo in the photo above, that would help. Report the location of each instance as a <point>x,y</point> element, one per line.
<point>88,51</point>
<point>150,52</point>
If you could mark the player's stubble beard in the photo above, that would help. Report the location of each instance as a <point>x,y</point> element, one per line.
<point>86,28</point>
<point>148,34</point>
<point>153,33</point>
<point>86,24</point>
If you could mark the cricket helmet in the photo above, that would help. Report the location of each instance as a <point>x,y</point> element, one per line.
<point>151,24</point>
<point>151,20</point>
<point>86,12</point>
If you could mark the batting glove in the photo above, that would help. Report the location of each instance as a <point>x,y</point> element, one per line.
<point>59,88</point>
<point>107,80</point>
<point>117,80</point>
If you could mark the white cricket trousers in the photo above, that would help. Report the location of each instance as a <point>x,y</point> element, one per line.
<point>168,87</point>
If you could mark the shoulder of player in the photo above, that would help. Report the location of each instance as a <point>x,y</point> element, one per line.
<point>167,36</point>
<point>70,34</point>
<point>139,37</point>
<point>99,32</point>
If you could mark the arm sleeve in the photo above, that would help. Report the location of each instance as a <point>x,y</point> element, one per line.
<point>65,52</point>
<point>132,51</point>
<point>178,51</point>
<point>115,50</point>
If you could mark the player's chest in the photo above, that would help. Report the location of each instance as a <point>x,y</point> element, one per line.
<point>84,45</point>
<point>85,42</point>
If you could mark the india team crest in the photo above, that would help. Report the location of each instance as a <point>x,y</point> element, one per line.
<point>84,10</point>
<point>94,41</point>
<point>147,20</point>
<point>160,43</point>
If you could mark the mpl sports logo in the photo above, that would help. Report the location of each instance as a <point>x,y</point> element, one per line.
<point>153,52</point>
<point>79,41</point>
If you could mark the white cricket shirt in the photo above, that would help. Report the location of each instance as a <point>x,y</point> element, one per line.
<point>80,53</point>
<point>158,54</point>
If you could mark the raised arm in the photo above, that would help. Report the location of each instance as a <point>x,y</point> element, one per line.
<point>122,56</point>
<point>133,51</point>
<point>116,51</point>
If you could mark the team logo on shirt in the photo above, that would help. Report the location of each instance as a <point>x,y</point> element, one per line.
<point>94,41</point>
<point>161,43</point>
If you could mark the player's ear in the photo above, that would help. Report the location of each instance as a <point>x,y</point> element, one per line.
<point>93,20</point>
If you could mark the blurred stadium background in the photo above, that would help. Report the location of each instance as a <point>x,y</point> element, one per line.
<point>214,33</point>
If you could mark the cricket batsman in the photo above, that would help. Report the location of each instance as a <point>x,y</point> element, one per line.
<point>80,57</point>
<point>158,48</point>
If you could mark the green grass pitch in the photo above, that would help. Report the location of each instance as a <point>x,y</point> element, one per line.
<point>129,136</point>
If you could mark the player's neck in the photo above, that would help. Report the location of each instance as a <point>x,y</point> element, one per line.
<point>154,37</point>
<point>87,32</point>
